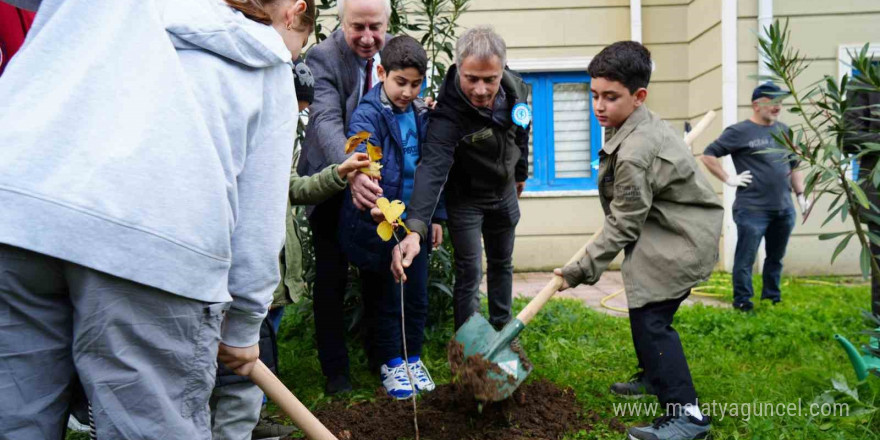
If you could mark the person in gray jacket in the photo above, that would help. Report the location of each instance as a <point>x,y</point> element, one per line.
<point>344,66</point>
<point>143,197</point>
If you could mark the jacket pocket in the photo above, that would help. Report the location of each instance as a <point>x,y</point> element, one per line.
<point>483,146</point>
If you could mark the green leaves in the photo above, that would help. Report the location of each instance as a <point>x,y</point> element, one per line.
<point>825,140</point>
<point>842,245</point>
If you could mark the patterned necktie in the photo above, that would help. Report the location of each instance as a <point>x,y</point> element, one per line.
<point>368,77</point>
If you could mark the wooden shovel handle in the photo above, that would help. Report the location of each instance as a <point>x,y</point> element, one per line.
<point>278,393</point>
<point>700,127</point>
<point>535,305</point>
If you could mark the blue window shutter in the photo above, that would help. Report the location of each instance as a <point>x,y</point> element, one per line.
<point>544,134</point>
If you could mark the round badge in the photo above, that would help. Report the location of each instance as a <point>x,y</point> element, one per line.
<point>522,115</point>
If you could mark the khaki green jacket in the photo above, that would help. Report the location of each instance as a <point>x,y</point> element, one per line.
<point>659,209</point>
<point>309,190</point>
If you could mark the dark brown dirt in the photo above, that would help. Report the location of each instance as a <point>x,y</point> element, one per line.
<point>537,411</point>
<point>471,373</point>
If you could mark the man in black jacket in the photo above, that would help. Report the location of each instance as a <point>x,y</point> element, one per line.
<point>477,146</point>
<point>861,118</point>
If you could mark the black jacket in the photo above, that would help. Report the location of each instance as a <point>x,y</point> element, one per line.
<point>478,155</point>
<point>863,125</point>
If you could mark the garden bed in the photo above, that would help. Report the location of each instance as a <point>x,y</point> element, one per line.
<point>537,411</point>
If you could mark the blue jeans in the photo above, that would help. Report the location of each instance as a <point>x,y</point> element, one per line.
<point>387,341</point>
<point>775,228</point>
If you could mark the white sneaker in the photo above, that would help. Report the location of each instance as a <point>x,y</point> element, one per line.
<point>75,425</point>
<point>396,381</point>
<point>421,376</point>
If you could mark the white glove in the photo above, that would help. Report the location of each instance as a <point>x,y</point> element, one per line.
<point>804,204</point>
<point>743,179</point>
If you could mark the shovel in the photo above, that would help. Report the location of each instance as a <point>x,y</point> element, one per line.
<point>483,357</point>
<point>278,393</point>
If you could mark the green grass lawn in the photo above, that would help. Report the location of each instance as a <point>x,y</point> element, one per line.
<point>781,354</point>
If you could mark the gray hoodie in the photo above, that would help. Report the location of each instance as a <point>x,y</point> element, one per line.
<point>151,140</point>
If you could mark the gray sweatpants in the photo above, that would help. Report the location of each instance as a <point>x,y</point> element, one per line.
<point>235,410</point>
<point>146,357</point>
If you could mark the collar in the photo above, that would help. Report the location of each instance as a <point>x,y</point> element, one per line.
<point>416,106</point>
<point>640,114</point>
<point>363,62</point>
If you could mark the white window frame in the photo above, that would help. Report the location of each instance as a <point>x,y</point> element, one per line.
<point>844,58</point>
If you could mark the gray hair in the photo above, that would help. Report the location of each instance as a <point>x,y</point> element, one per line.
<point>482,42</point>
<point>340,7</point>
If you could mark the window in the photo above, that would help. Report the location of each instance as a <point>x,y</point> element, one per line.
<point>565,136</point>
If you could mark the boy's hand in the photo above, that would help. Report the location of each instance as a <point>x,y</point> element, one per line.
<point>355,162</point>
<point>240,360</point>
<point>558,272</point>
<point>364,191</point>
<point>377,215</point>
<point>431,103</point>
<point>436,235</point>
<point>399,263</point>
<point>520,186</point>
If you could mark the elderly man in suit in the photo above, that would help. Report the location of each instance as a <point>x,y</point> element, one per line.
<point>344,66</point>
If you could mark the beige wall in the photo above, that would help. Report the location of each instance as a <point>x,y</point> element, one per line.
<point>684,37</point>
<point>818,28</point>
<point>685,40</point>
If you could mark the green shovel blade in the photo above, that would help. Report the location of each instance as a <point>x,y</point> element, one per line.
<point>495,370</point>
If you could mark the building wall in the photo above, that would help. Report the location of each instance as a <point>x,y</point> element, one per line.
<point>684,37</point>
<point>554,226</point>
<point>818,28</point>
<point>685,40</point>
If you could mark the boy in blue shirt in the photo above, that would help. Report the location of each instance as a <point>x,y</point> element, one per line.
<point>397,120</point>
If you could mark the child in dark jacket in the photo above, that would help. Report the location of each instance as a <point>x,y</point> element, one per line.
<point>396,119</point>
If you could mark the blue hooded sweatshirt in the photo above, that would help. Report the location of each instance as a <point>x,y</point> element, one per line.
<point>152,140</point>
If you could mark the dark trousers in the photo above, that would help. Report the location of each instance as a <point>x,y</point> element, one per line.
<point>387,338</point>
<point>866,167</point>
<point>752,225</point>
<point>331,270</point>
<point>495,221</point>
<point>659,351</point>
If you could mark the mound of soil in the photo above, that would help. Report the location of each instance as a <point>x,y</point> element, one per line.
<point>537,411</point>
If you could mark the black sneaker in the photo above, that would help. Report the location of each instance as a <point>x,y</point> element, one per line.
<point>636,387</point>
<point>672,427</point>
<point>744,307</point>
<point>337,385</point>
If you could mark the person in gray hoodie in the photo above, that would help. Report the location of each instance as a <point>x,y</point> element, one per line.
<point>146,146</point>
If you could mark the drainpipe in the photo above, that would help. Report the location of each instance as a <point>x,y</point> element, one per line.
<point>635,20</point>
<point>728,118</point>
<point>765,18</point>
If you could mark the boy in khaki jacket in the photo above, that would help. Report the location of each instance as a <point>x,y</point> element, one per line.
<point>662,212</point>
